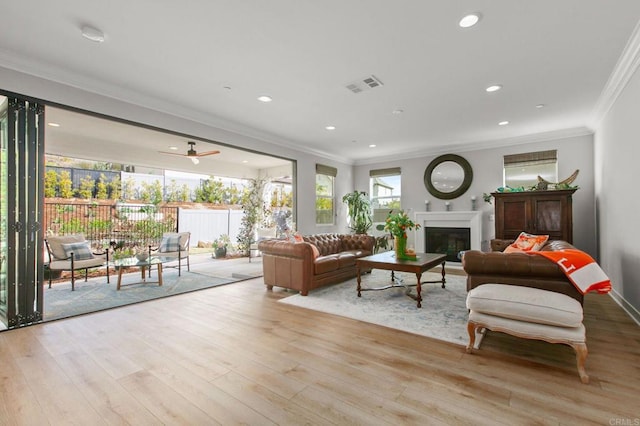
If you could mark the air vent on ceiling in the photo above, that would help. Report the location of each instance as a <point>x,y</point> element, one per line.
<point>366,83</point>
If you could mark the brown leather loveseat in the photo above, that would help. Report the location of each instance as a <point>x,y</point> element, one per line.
<point>319,260</point>
<point>529,270</point>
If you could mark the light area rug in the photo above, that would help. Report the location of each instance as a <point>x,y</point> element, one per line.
<point>97,294</point>
<point>443,315</point>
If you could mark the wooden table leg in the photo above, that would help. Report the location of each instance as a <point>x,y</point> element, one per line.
<point>143,271</point>
<point>443,279</point>
<point>119,278</point>
<point>358,279</point>
<point>159,274</point>
<point>419,290</point>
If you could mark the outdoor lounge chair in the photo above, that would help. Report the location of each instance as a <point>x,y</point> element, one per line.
<point>73,252</point>
<point>175,244</point>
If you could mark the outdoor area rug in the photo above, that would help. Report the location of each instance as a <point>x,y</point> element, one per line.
<point>96,294</point>
<point>443,315</point>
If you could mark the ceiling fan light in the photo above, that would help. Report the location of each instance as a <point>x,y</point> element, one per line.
<point>195,160</point>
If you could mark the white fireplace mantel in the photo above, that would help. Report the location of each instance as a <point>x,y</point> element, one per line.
<point>450,219</point>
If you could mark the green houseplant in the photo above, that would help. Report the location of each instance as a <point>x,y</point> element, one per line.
<point>359,211</point>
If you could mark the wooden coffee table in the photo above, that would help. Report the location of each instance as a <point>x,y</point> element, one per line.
<point>388,261</point>
<point>121,264</point>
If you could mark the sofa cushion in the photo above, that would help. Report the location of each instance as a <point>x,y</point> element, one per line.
<point>526,304</point>
<point>324,264</point>
<point>527,242</point>
<point>346,259</point>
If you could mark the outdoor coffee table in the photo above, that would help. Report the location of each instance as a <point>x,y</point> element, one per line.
<point>128,262</point>
<point>388,261</point>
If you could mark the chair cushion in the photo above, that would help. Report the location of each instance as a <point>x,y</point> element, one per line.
<point>170,243</point>
<point>526,304</point>
<point>80,250</point>
<point>55,243</point>
<point>530,330</point>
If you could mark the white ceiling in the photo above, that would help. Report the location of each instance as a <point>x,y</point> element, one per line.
<point>214,58</point>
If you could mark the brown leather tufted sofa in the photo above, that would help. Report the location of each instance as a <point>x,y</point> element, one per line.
<point>522,269</point>
<point>298,266</point>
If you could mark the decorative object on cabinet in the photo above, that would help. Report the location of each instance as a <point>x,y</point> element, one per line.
<point>534,212</point>
<point>448,176</point>
<point>563,184</point>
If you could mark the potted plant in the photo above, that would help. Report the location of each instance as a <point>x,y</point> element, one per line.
<point>397,224</point>
<point>359,211</point>
<point>220,245</point>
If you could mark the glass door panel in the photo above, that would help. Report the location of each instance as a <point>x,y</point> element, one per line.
<point>3,213</point>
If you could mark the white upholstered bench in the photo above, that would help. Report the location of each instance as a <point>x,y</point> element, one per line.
<point>529,313</point>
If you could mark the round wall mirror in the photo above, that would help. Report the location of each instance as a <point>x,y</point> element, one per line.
<point>448,176</point>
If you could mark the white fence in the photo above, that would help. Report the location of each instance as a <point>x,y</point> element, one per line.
<point>207,225</point>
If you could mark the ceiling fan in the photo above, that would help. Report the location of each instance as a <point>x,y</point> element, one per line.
<point>192,153</point>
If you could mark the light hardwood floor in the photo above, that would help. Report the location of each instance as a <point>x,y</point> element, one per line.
<point>233,355</point>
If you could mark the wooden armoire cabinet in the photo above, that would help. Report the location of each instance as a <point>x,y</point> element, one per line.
<point>535,212</point>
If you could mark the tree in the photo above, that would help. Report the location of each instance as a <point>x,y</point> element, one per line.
<point>50,184</point>
<point>254,207</point>
<point>65,185</point>
<point>129,188</point>
<point>115,188</point>
<point>102,188</point>
<point>211,191</point>
<point>151,192</point>
<point>87,185</point>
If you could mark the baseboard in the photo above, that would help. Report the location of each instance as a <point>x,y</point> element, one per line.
<point>626,306</point>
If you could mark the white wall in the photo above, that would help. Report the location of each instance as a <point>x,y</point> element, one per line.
<point>573,153</point>
<point>617,166</point>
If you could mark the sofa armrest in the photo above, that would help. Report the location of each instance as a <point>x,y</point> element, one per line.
<point>285,248</point>
<point>500,245</point>
<point>525,269</point>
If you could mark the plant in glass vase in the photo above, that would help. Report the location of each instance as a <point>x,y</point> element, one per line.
<point>397,224</point>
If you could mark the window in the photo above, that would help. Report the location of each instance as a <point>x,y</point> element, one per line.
<point>522,170</point>
<point>384,187</point>
<point>325,200</point>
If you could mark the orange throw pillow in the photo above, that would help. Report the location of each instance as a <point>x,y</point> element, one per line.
<point>527,242</point>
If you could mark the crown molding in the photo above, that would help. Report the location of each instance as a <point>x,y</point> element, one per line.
<point>623,71</point>
<point>481,145</point>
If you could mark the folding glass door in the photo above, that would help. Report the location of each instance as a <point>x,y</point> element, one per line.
<point>21,207</point>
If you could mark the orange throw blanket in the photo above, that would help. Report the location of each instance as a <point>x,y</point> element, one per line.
<point>585,274</point>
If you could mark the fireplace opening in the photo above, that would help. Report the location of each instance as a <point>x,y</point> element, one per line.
<point>449,241</point>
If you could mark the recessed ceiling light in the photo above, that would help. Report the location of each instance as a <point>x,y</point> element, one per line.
<point>372,145</point>
<point>503,123</point>
<point>173,148</point>
<point>265,98</point>
<point>470,20</point>
<point>53,124</point>
<point>540,106</point>
<point>92,34</point>
<point>494,88</point>
<point>245,161</point>
<point>330,127</point>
